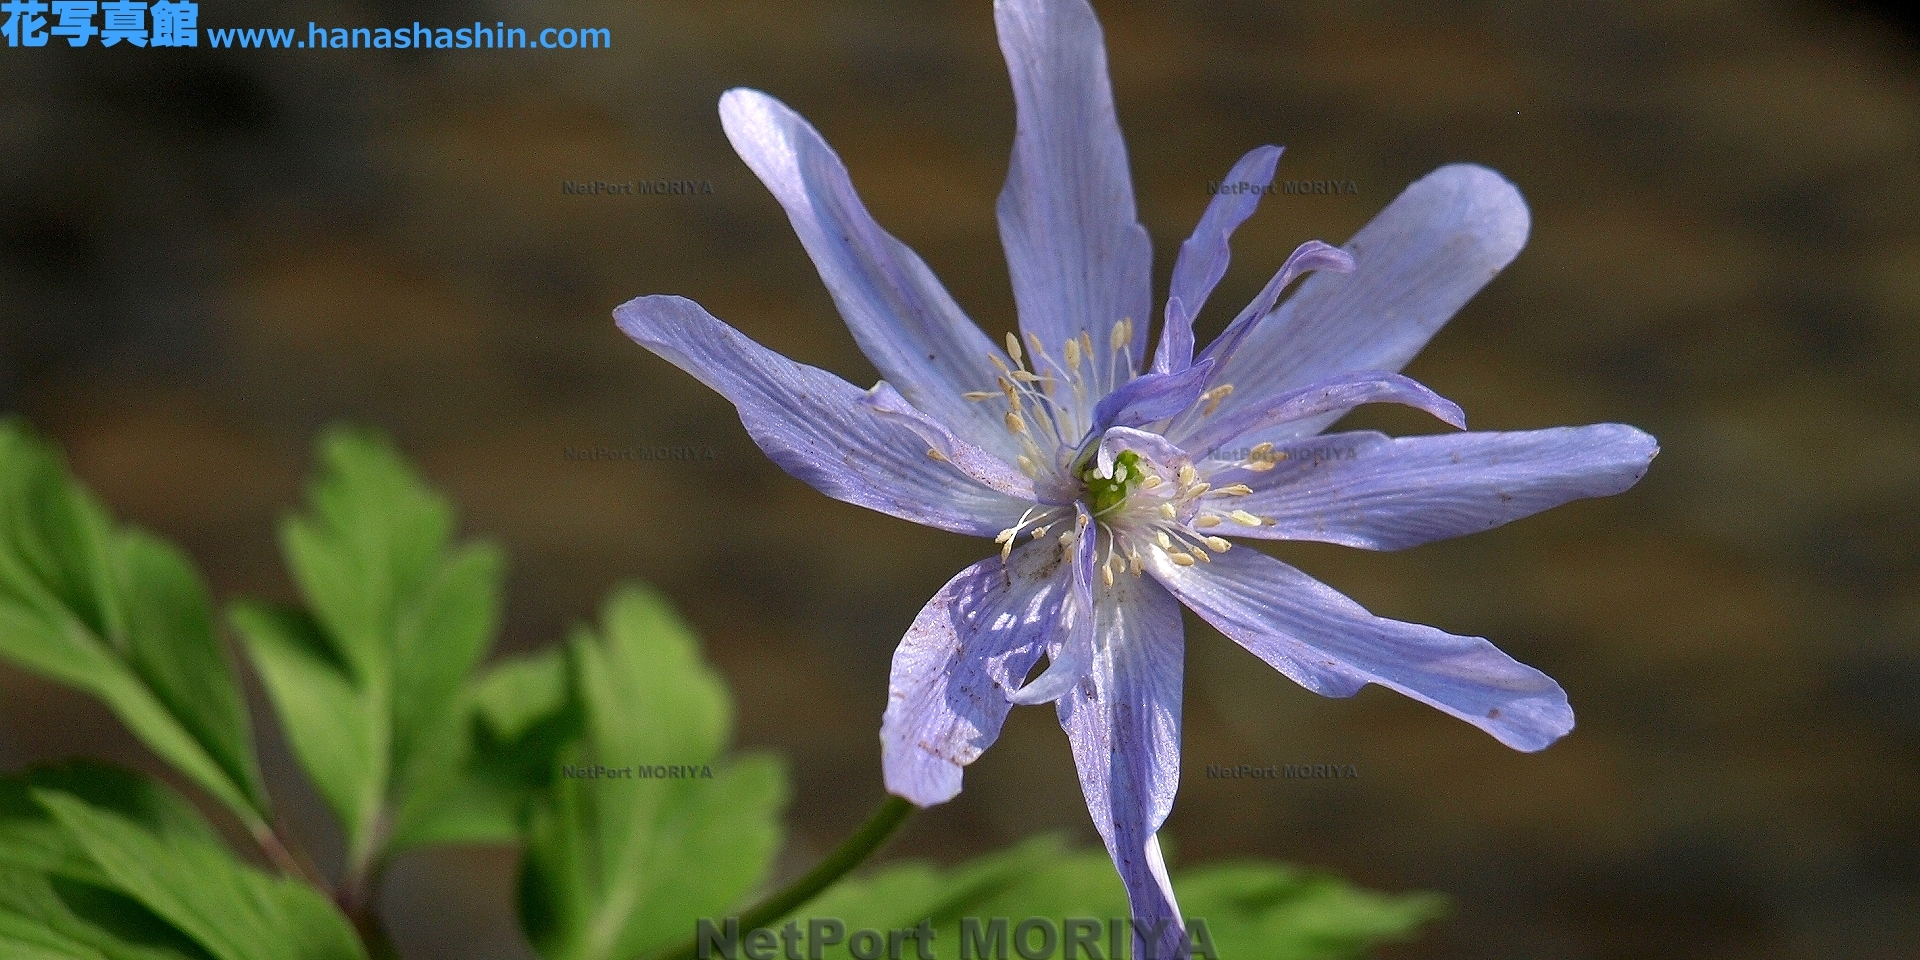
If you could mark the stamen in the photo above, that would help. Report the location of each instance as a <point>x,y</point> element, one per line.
<point>1200,555</point>
<point>1187,473</point>
<point>1245,519</point>
<point>1237,490</point>
<point>1013,349</point>
<point>1218,544</point>
<point>1073,355</point>
<point>1122,333</point>
<point>1027,467</point>
<point>1016,423</point>
<point>1165,542</point>
<point>979,395</point>
<point>1179,558</point>
<point>1206,520</point>
<point>1213,398</point>
<point>937,455</point>
<point>1106,574</point>
<point>1167,511</point>
<point>1152,480</point>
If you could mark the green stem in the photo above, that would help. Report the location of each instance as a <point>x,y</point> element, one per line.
<point>888,818</point>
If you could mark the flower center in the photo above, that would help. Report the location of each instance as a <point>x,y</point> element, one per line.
<point>1105,494</point>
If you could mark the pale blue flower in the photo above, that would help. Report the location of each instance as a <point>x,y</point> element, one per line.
<point>1110,484</point>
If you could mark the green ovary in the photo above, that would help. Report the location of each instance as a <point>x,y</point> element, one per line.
<point>1105,493</point>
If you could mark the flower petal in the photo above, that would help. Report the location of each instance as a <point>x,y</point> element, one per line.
<point>1327,643</point>
<point>972,643</point>
<point>816,425</point>
<point>989,470</point>
<point>1280,416</point>
<point>1151,397</point>
<point>1123,722</point>
<point>1071,651</point>
<point>1204,256</point>
<point>1079,258</point>
<point>1383,493</point>
<point>1307,258</point>
<point>901,316</point>
<point>1415,265</point>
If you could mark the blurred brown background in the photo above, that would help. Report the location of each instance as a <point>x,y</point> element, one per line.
<point>205,256</point>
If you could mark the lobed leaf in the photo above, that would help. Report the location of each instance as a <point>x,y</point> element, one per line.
<point>618,864</point>
<point>122,616</point>
<point>370,680</point>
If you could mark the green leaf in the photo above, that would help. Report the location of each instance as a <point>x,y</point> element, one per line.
<point>1248,911</point>
<point>518,718</point>
<point>325,717</point>
<point>619,857</point>
<point>122,616</point>
<point>48,883</point>
<point>231,910</point>
<point>370,685</point>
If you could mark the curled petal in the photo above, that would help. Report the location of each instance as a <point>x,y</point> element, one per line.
<point>1383,493</point>
<point>1415,265</point>
<point>1071,652</point>
<point>1079,258</point>
<point>817,426</point>
<point>901,316</point>
<point>1278,416</point>
<point>1156,448</point>
<point>1327,643</point>
<point>972,644</point>
<point>1306,258</point>
<point>1204,256</point>
<point>1152,397</point>
<point>1123,722</point>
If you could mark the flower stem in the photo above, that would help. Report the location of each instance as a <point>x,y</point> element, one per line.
<point>871,835</point>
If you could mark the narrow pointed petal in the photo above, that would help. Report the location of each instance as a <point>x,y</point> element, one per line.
<point>1123,722</point>
<point>1279,416</point>
<point>1415,265</point>
<point>986,468</point>
<point>972,644</point>
<point>1314,255</point>
<point>1327,643</point>
<point>1204,256</point>
<point>817,426</point>
<point>901,316</point>
<point>1383,493</point>
<point>1152,397</point>
<point>1071,653</point>
<point>1079,258</point>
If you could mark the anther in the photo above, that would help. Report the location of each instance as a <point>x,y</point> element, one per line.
<point>979,395</point>
<point>1166,510</point>
<point>1122,333</point>
<point>1244,518</point>
<point>1187,473</point>
<point>937,455</point>
<point>1016,423</point>
<point>1027,467</point>
<point>1207,520</point>
<point>1152,480</point>
<point>1214,396</point>
<point>1180,559</point>
<point>1013,348</point>
<point>1073,354</point>
<point>1165,542</point>
<point>1237,490</point>
<point>1218,544</point>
